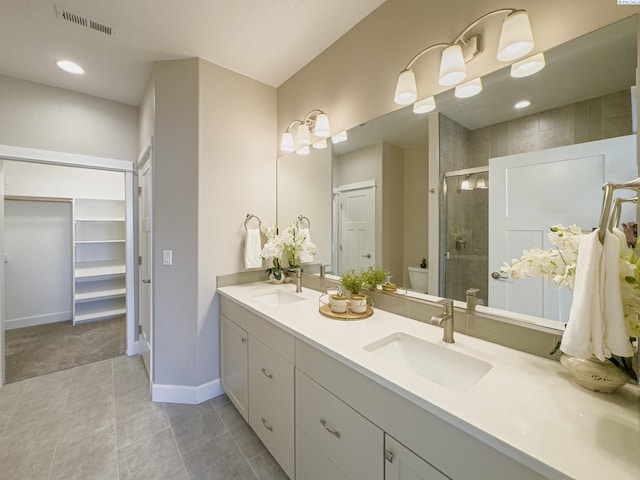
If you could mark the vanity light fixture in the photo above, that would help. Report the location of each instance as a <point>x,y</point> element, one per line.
<point>425,105</point>
<point>481,183</point>
<point>70,67</point>
<point>528,66</point>
<point>469,89</point>
<point>304,150</point>
<point>522,104</point>
<point>316,122</point>
<point>320,144</point>
<point>465,185</point>
<point>340,137</point>
<point>516,40</point>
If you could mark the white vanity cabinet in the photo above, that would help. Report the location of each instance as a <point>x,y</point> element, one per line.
<point>402,464</point>
<point>234,364</point>
<point>257,375</point>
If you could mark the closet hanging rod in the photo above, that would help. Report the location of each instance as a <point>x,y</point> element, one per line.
<point>606,213</point>
<point>20,198</point>
<point>249,217</point>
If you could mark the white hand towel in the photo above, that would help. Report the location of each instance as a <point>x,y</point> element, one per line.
<point>305,257</point>
<point>252,249</point>
<point>596,321</point>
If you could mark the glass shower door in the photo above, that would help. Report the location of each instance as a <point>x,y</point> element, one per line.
<point>464,235</point>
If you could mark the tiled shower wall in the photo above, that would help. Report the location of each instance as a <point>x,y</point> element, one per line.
<point>596,119</point>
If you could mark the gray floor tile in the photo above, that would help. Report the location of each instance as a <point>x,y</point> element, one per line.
<point>93,457</point>
<point>145,419</point>
<point>154,457</point>
<point>267,468</point>
<point>9,395</point>
<point>218,459</point>
<point>32,464</point>
<point>194,425</point>
<point>88,420</point>
<point>241,431</point>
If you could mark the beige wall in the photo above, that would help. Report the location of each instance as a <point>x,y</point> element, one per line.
<point>392,211</point>
<point>354,79</point>
<point>39,116</point>
<point>206,176</point>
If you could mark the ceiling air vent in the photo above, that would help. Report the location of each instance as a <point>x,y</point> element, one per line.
<point>82,21</point>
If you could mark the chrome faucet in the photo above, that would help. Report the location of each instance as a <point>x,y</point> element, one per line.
<point>298,278</point>
<point>472,299</point>
<point>445,320</point>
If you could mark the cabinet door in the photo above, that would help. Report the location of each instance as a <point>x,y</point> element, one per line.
<point>402,464</point>
<point>234,365</point>
<point>311,463</point>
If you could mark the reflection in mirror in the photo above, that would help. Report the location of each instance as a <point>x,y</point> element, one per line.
<point>380,175</point>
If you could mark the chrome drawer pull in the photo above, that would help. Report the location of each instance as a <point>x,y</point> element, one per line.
<point>267,373</point>
<point>266,425</point>
<point>335,433</point>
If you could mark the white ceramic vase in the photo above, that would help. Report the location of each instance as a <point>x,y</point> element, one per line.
<point>358,303</point>
<point>594,374</point>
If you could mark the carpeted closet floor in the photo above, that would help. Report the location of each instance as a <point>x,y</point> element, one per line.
<point>34,351</point>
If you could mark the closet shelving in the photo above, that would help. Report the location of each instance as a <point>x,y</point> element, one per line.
<point>99,259</point>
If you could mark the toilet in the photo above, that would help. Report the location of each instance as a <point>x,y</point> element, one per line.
<point>419,279</point>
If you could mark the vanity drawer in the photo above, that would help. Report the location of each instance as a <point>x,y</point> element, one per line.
<point>272,373</point>
<point>350,441</point>
<point>311,463</point>
<point>274,425</point>
<point>272,336</point>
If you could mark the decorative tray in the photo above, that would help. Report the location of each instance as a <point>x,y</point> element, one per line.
<point>349,314</point>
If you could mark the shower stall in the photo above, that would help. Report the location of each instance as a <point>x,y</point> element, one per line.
<point>464,233</point>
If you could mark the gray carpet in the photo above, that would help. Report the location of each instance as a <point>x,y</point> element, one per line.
<point>34,351</point>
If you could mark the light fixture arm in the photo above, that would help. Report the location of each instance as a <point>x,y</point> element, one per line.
<point>421,53</point>
<point>307,118</point>
<point>460,38</point>
<point>292,124</point>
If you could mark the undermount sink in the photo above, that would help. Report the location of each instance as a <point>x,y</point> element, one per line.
<point>453,370</point>
<point>276,299</point>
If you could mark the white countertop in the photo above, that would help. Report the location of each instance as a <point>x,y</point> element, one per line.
<point>525,406</point>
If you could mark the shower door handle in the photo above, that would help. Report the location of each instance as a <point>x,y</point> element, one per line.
<point>497,276</point>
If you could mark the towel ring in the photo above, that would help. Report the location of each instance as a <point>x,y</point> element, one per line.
<point>301,220</point>
<point>249,217</point>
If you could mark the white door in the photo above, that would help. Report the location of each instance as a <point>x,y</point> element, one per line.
<point>357,228</point>
<point>529,193</point>
<point>2,314</point>
<point>145,250</point>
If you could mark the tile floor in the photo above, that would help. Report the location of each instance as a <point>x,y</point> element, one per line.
<point>97,422</point>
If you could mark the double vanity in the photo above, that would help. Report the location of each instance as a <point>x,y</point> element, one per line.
<point>385,398</point>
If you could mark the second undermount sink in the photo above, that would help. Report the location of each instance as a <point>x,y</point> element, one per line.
<point>277,298</point>
<point>453,370</point>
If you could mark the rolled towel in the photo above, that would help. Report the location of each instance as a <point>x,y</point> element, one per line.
<point>596,320</point>
<point>252,249</point>
<point>305,257</point>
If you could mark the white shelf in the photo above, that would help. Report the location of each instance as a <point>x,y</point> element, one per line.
<point>99,289</point>
<point>99,269</point>
<point>89,242</point>
<point>100,295</point>
<point>101,315</point>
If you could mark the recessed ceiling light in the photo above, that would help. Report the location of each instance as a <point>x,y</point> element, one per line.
<point>70,67</point>
<point>522,104</point>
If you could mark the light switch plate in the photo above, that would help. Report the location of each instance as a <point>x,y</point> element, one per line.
<point>167,257</point>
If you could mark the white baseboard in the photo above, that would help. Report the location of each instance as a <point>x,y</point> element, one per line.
<point>186,394</point>
<point>12,323</point>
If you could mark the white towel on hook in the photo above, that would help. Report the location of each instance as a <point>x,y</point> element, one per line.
<point>305,257</point>
<point>596,320</point>
<point>252,249</point>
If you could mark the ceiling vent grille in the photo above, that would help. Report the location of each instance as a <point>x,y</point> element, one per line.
<point>82,21</point>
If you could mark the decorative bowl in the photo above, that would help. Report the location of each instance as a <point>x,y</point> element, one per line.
<point>594,374</point>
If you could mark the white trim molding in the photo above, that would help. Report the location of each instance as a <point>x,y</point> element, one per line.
<point>34,155</point>
<point>354,186</point>
<point>12,323</point>
<point>186,394</point>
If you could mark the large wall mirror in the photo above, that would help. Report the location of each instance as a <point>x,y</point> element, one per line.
<point>374,188</point>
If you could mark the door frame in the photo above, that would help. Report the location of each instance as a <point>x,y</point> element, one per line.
<point>49,157</point>
<point>145,159</point>
<point>337,218</point>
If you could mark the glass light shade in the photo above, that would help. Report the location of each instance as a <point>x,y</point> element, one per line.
<point>425,105</point>
<point>70,67</point>
<point>322,128</point>
<point>339,137</point>
<point>452,68</point>
<point>320,144</point>
<point>481,183</point>
<point>303,138</point>
<point>528,66</point>
<point>469,89</point>
<point>516,38</point>
<point>406,90</point>
<point>286,142</point>
<point>303,150</point>
<point>466,185</point>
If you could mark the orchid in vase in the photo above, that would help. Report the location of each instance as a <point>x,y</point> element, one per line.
<point>289,246</point>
